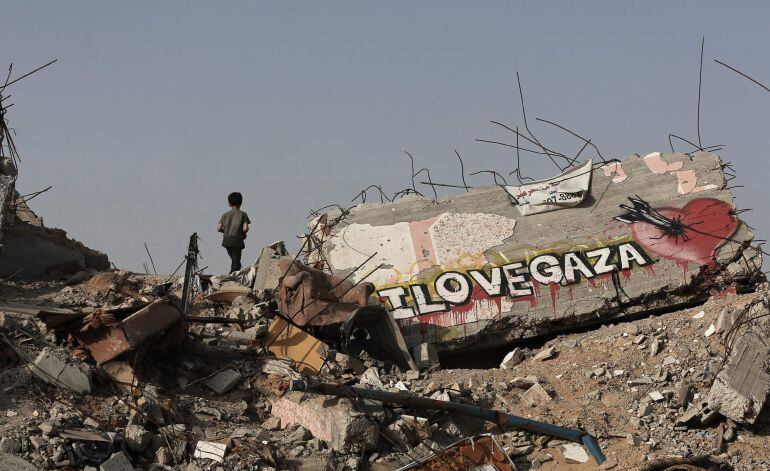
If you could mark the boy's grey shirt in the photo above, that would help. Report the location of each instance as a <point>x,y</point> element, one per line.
<point>232,226</point>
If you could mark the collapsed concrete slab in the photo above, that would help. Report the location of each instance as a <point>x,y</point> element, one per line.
<point>29,249</point>
<point>741,389</point>
<point>476,270</point>
<point>34,250</point>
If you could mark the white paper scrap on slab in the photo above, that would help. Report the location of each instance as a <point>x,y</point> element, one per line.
<point>565,190</point>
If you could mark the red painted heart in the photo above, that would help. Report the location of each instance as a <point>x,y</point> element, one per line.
<point>707,223</point>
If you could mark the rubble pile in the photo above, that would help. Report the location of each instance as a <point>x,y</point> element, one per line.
<point>492,330</point>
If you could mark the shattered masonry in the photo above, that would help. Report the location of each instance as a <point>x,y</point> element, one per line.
<point>29,249</point>
<point>473,270</point>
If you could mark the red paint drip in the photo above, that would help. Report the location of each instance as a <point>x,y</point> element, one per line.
<point>626,274</point>
<point>570,293</point>
<point>554,294</point>
<point>650,269</point>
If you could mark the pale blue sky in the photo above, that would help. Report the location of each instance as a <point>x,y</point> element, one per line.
<point>156,110</point>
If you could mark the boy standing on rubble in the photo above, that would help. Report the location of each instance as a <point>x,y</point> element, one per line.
<point>234,224</point>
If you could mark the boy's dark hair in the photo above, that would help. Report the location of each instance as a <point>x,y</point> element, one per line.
<point>235,199</point>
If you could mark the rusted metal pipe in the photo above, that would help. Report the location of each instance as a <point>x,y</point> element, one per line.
<point>500,418</point>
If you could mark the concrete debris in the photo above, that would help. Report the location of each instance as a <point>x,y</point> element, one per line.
<point>336,422</point>
<point>224,381</point>
<point>117,462</point>
<point>740,390</point>
<point>535,395</point>
<point>210,451</point>
<point>573,453</point>
<point>51,369</point>
<point>710,331</point>
<point>512,358</point>
<point>545,354</point>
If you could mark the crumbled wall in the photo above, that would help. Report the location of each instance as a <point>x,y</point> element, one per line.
<point>470,271</point>
<point>30,250</point>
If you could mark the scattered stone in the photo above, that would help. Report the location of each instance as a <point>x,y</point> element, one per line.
<point>573,453</point>
<point>117,462</point>
<point>545,354</point>
<point>211,451</point>
<point>137,438</point>
<point>710,331</point>
<point>37,442</point>
<point>524,382</point>
<point>656,396</point>
<point>535,395</point>
<point>699,315</point>
<point>645,408</point>
<point>654,347</point>
<point>609,464</point>
<point>272,423</point>
<point>164,456</point>
<point>513,358</point>
<point>224,381</point>
<point>412,375</point>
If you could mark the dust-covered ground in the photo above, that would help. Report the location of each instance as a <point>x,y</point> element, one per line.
<point>626,384</point>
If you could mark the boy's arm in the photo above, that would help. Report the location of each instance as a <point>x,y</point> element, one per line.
<point>246,222</point>
<point>219,225</point>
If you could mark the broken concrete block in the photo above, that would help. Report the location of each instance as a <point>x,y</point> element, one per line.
<point>524,382</point>
<point>117,462</point>
<point>332,420</point>
<point>268,271</point>
<point>224,381</point>
<point>210,450</point>
<point>545,354</point>
<point>656,396</point>
<point>512,358</point>
<point>425,356</point>
<point>535,395</point>
<point>740,390</point>
<point>573,453</point>
<point>710,331</point>
<point>137,438</point>
<point>52,370</point>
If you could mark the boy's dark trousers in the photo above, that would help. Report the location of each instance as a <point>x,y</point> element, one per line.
<point>235,258</point>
